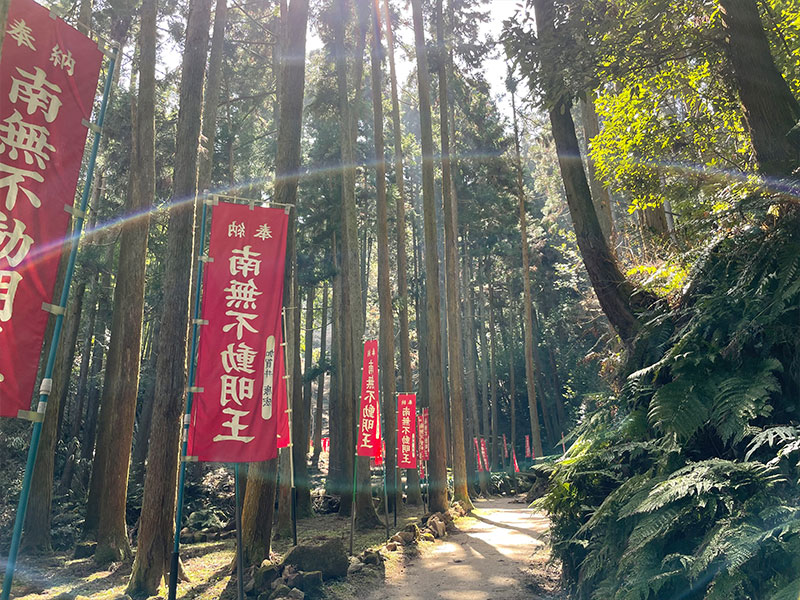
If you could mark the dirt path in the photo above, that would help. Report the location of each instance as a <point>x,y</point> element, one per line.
<point>498,554</point>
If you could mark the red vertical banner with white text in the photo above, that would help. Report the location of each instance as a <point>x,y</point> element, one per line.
<point>407,431</point>
<point>527,446</point>
<point>235,416</point>
<point>485,455</point>
<point>505,446</point>
<point>369,428</point>
<point>424,439</point>
<point>48,81</point>
<point>478,455</point>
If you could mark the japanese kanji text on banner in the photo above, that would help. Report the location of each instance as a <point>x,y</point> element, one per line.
<point>235,418</point>
<point>407,431</point>
<point>48,80</point>
<point>424,440</point>
<point>369,431</point>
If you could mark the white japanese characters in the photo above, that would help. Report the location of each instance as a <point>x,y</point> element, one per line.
<point>407,426</point>
<point>21,33</point>
<point>369,403</point>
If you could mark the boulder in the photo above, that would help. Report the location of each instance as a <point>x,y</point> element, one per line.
<point>413,529</point>
<point>427,536</point>
<point>407,537</point>
<point>85,550</point>
<point>372,558</point>
<point>355,568</point>
<point>296,594</point>
<point>391,546</point>
<point>396,539</point>
<point>330,558</point>
<point>282,591</point>
<point>293,579</point>
<point>312,584</point>
<point>265,575</point>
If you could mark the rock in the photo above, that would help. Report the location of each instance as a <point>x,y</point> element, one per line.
<point>406,536</point>
<point>372,558</point>
<point>282,591</point>
<point>330,558</point>
<point>296,594</point>
<point>446,517</point>
<point>122,597</point>
<point>427,536</point>
<point>276,584</point>
<point>293,580</point>
<point>85,550</point>
<point>391,546</point>
<point>65,596</point>
<point>312,584</point>
<point>436,526</point>
<point>396,539</point>
<point>354,568</point>
<point>265,575</point>
<point>413,529</point>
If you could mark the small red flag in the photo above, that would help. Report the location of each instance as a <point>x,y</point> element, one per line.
<point>516,466</point>
<point>478,455</point>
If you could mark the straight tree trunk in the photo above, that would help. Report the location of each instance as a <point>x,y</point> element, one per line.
<point>485,358</point>
<point>386,352</point>
<point>472,361</point>
<point>770,108</point>
<point>335,483</point>
<point>527,296</point>
<point>600,195</point>
<point>450,213</point>
<point>142,438</point>
<point>158,506</point>
<point>493,382</point>
<point>512,382</point>
<point>412,475</point>
<point>309,360</point>
<point>120,391</point>
<point>321,380</point>
<point>259,500</point>
<point>70,340</point>
<point>437,489</point>
<point>37,519</point>
<point>618,297</point>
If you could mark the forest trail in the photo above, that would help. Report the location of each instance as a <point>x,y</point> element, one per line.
<point>499,553</point>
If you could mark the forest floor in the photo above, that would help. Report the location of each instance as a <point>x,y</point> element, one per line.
<point>499,552</point>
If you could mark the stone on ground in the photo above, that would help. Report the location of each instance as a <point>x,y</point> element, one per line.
<point>330,558</point>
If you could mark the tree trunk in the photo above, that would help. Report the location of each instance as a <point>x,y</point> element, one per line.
<point>472,362</point>
<point>321,381</point>
<point>309,363</point>
<point>412,475</point>
<point>600,195</point>
<point>527,296</point>
<point>450,213</point>
<point>617,296</point>
<point>287,174</point>
<point>258,510</point>
<point>142,438</point>
<point>335,483</point>
<point>437,489</point>
<point>70,340</point>
<point>386,353</point>
<point>37,518</point>
<point>770,109</point>
<point>158,506</point>
<point>495,448</point>
<point>485,358</point>
<point>512,376</point>
<point>120,391</point>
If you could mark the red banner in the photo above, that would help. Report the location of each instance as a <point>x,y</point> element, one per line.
<point>527,446</point>
<point>516,466</point>
<point>48,80</point>
<point>407,431</point>
<point>236,417</point>
<point>505,446</point>
<point>478,455</point>
<point>424,437</point>
<point>369,427</point>
<point>485,454</point>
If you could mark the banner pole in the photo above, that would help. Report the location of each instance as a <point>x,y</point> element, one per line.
<point>396,446</point>
<point>239,550</point>
<point>47,381</point>
<point>385,499</point>
<point>290,447</point>
<point>175,561</point>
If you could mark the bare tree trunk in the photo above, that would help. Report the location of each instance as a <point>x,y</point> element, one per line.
<point>493,459</point>
<point>600,195</point>
<point>309,362</point>
<point>321,381</point>
<point>386,346</point>
<point>142,438</point>
<point>770,109</point>
<point>472,361</point>
<point>512,380</point>
<point>158,506</point>
<point>260,497</point>
<point>527,296</point>
<point>450,214</point>
<point>118,405</point>
<point>485,358</point>
<point>617,295</point>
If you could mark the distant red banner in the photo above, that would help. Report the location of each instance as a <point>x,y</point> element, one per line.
<point>369,428</point>
<point>407,431</point>
<point>237,415</point>
<point>505,446</point>
<point>485,454</point>
<point>478,455</point>
<point>527,446</point>
<point>424,436</point>
<point>48,80</point>
<point>516,466</point>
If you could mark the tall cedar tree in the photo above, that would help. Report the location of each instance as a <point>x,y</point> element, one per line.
<point>388,380</point>
<point>156,524</point>
<point>414,493</point>
<point>438,459</point>
<point>616,294</point>
<point>450,213</point>
<point>120,390</point>
<point>259,500</point>
<point>527,296</point>
<point>321,379</point>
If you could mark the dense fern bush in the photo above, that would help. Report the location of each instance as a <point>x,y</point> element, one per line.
<point>685,486</point>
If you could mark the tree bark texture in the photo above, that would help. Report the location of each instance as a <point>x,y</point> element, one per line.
<point>318,412</point>
<point>158,506</point>
<point>494,459</point>
<point>437,489</point>
<point>600,195</point>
